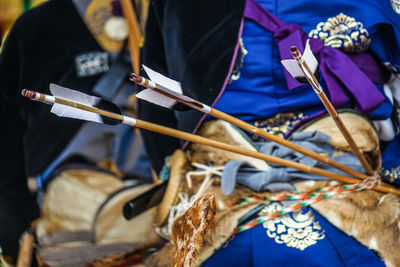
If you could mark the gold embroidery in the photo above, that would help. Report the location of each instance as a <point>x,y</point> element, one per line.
<point>296,230</point>
<point>241,54</point>
<point>391,175</point>
<point>395,5</point>
<point>343,32</point>
<point>279,125</point>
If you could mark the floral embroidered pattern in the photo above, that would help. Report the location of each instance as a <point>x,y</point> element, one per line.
<point>279,125</point>
<point>298,230</point>
<point>395,5</point>
<point>343,32</point>
<point>391,175</point>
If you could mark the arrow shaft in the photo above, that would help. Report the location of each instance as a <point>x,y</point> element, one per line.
<point>251,128</point>
<point>312,80</point>
<point>209,142</point>
<point>275,160</point>
<point>154,86</point>
<point>259,132</point>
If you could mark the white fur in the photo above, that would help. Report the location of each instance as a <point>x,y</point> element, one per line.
<point>373,243</point>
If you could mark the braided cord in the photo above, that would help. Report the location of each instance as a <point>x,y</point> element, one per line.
<point>306,199</point>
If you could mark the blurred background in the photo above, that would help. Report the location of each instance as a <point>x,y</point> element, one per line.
<point>10,10</point>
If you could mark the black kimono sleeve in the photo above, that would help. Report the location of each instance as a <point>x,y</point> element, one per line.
<point>153,55</point>
<point>17,206</point>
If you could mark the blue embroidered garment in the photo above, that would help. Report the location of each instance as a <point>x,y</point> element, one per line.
<point>390,171</point>
<point>289,242</point>
<point>259,89</point>
<point>391,154</point>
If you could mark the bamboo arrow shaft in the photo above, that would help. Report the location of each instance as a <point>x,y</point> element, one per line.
<point>275,160</point>
<point>209,142</point>
<point>356,150</point>
<point>202,140</point>
<point>286,143</point>
<point>134,35</point>
<point>291,145</point>
<point>89,108</point>
<point>312,80</point>
<point>250,128</point>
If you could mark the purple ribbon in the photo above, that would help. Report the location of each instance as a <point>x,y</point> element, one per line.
<point>340,71</point>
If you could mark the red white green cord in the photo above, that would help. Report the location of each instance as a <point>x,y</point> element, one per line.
<point>306,199</point>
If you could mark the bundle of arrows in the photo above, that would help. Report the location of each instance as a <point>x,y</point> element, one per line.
<point>73,104</point>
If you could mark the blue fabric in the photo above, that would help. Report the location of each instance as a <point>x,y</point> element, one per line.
<point>97,142</point>
<point>391,154</point>
<point>262,79</point>
<point>254,248</point>
<point>390,171</point>
<point>384,110</point>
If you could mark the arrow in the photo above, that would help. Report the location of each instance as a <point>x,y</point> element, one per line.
<point>82,104</point>
<point>166,92</point>
<point>303,69</point>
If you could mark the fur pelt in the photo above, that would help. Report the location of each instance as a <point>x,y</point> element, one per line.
<point>371,217</point>
<point>224,223</point>
<point>223,131</point>
<point>360,128</point>
<point>189,229</point>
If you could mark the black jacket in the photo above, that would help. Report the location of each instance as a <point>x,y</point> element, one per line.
<point>192,42</point>
<point>40,49</point>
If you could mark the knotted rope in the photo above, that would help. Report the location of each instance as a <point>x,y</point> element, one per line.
<point>305,199</point>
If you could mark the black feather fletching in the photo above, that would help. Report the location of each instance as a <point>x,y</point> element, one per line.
<point>111,107</point>
<point>303,79</point>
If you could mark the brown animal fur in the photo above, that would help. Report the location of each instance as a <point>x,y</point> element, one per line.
<point>371,217</point>
<point>189,229</point>
<point>224,223</point>
<point>361,130</point>
<point>222,131</point>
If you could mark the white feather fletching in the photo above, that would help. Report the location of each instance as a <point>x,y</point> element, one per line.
<point>165,84</point>
<point>75,96</point>
<point>163,81</point>
<point>156,98</point>
<point>293,67</point>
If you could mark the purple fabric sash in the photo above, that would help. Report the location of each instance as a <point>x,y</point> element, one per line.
<point>340,71</point>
